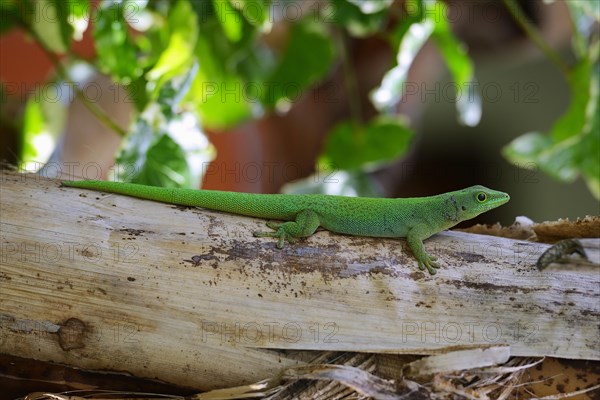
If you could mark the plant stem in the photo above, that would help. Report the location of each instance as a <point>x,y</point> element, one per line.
<point>62,73</point>
<point>519,16</point>
<point>350,81</point>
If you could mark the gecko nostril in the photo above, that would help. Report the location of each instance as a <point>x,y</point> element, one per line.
<point>463,208</point>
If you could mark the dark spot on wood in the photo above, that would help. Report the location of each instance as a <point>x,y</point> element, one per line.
<point>260,295</point>
<point>197,259</point>
<point>87,253</point>
<point>469,257</point>
<point>71,334</point>
<point>488,287</point>
<point>131,279</point>
<point>133,232</point>
<point>589,313</point>
<point>182,208</point>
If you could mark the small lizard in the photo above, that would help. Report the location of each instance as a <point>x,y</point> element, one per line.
<point>415,219</point>
<point>561,251</point>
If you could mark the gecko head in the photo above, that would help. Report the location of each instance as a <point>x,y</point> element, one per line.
<point>474,200</point>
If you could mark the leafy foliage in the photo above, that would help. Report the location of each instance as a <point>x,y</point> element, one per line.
<point>306,59</point>
<point>427,20</point>
<point>382,140</point>
<point>117,52</point>
<point>206,62</point>
<point>572,146</point>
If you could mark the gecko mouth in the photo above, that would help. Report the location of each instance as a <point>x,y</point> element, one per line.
<point>501,200</point>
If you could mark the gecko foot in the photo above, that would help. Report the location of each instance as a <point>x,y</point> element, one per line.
<point>280,233</point>
<point>428,262</point>
<point>306,223</point>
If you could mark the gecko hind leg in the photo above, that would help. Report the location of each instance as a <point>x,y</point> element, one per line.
<point>306,224</point>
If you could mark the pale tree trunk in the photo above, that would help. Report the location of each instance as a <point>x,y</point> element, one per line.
<point>107,282</point>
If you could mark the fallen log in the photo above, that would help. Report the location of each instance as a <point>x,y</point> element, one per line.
<point>107,282</point>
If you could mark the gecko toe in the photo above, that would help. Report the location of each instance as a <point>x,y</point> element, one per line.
<point>432,265</point>
<point>432,269</point>
<point>274,225</point>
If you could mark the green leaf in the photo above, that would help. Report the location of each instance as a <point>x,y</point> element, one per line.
<point>428,19</point>
<point>217,92</point>
<point>354,20</point>
<point>116,51</point>
<point>409,36</point>
<point>151,157</point>
<point>589,157</point>
<point>255,12</point>
<point>221,102</point>
<point>589,150</point>
<point>183,31</point>
<point>137,92</point>
<point>220,58</point>
<point>454,52</point>
<point>231,19</point>
<point>559,160</point>
<point>165,165</point>
<point>308,57</point>
<point>388,94</point>
<point>382,140</point>
<point>43,122</point>
<point>572,146</point>
<point>526,148</point>
<point>415,12</point>
<point>572,121</point>
<point>49,27</point>
<point>163,140</point>
<point>173,92</point>
<point>34,125</point>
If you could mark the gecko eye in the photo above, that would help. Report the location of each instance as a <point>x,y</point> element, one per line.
<point>481,197</point>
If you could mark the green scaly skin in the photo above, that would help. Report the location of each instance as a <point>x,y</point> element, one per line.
<point>415,219</point>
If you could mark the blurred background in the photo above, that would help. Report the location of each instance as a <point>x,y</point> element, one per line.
<point>355,97</point>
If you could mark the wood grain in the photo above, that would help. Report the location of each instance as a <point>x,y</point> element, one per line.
<point>106,282</point>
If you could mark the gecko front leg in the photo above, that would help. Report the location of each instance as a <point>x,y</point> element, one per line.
<point>415,238</point>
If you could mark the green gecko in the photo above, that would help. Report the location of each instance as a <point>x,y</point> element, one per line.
<point>415,219</point>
